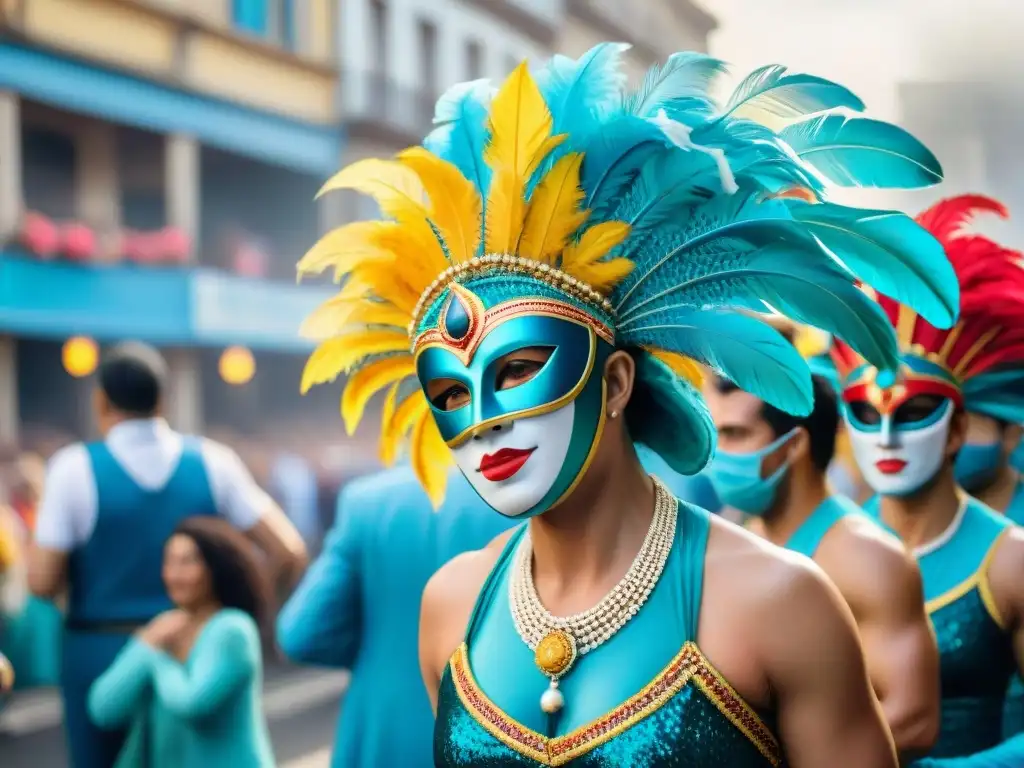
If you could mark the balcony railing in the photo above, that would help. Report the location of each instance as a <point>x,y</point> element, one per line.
<point>376,101</point>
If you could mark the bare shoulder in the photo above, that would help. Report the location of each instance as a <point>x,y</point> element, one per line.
<point>1006,574</point>
<point>869,565</point>
<point>451,593</point>
<point>783,597</point>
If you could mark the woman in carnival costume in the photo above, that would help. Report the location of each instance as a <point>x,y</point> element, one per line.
<point>559,257</point>
<point>907,431</point>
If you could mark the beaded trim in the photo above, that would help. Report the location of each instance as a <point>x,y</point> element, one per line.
<point>496,315</point>
<point>515,264</point>
<point>689,664</point>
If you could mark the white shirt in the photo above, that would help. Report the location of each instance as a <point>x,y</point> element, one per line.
<point>149,451</point>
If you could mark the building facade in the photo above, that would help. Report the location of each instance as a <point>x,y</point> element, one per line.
<point>398,56</point>
<point>159,162</point>
<point>655,29</point>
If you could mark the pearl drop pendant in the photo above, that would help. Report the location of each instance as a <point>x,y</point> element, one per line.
<point>552,700</point>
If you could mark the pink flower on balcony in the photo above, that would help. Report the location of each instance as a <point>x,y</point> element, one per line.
<point>175,244</point>
<point>79,242</point>
<point>39,235</point>
<point>249,260</point>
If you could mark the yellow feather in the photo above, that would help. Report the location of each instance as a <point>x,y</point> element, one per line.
<point>400,195</point>
<point>430,457</point>
<point>582,260</point>
<point>455,204</point>
<point>367,382</point>
<point>396,189</point>
<point>520,124</point>
<point>680,364</point>
<point>343,248</point>
<point>405,415</point>
<point>383,281</point>
<point>554,213</point>
<point>387,413</point>
<point>333,316</point>
<point>419,258</point>
<point>505,212</point>
<point>339,354</point>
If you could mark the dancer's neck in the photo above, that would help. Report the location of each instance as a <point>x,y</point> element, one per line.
<point>923,517</point>
<point>583,547</point>
<point>804,495</point>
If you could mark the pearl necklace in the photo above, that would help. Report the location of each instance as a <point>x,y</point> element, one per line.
<point>557,641</point>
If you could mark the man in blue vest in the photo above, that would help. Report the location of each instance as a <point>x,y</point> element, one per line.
<point>106,511</point>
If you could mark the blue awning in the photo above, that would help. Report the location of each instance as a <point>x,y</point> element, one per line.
<point>121,98</point>
<point>169,306</point>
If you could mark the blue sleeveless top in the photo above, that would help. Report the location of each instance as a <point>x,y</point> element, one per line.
<point>808,536</point>
<point>1013,714</point>
<point>115,576</point>
<point>975,650</point>
<point>645,697</point>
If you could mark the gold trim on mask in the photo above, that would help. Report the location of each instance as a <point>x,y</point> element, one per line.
<point>465,349</point>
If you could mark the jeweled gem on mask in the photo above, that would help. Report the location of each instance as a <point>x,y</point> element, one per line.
<point>456,318</point>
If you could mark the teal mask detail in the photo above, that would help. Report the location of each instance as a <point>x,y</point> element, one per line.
<point>977,464</point>
<point>523,448</point>
<point>736,478</point>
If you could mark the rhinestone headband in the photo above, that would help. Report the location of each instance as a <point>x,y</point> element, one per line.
<point>518,265</point>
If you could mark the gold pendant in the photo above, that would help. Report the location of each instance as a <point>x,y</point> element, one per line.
<point>554,656</point>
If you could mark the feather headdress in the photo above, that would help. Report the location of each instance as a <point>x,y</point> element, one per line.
<point>656,213</point>
<point>979,361</point>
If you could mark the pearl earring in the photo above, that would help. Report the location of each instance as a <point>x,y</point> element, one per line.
<point>614,414</point>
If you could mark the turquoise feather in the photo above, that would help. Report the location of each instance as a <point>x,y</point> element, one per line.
<point>769,89</point>
<point>576,93</point>
<point>863,152</point>
<point>461,136</point>
<point>612,160</point>
<point>823,366</point>
<point>997,394</point>
<point>801,288</point>
<point>743,349</point>
<point>680,87</point>
<point>890,252</point>
<point>669,399</point>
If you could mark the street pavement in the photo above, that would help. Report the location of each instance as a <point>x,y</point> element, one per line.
<point>301,706</point>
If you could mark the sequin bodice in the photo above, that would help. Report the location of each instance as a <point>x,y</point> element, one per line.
<point>1013,715</point>
<point>647,698</point>
<point>976,653</point>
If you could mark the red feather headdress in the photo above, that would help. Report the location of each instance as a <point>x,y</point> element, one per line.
<point>990,331</point>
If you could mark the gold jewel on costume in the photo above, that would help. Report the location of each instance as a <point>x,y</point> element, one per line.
<point>558,641</point>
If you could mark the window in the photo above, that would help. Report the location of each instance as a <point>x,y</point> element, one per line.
<point>379,32</point>
<point>474,61</point>
<point>272,19</point>
<point>250,15</point>
<point>428,57</point>
<point>48,176</point>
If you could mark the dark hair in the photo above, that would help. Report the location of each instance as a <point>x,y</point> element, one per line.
<point>235,572</point>
<point>821,423</point>
<point>132,377</point>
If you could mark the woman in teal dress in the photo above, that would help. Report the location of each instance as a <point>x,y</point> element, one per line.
<point>557,259</point>
<point>190,683</point>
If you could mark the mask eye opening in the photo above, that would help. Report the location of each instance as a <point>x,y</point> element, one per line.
<point>519,367</point>
<point>448,395</point>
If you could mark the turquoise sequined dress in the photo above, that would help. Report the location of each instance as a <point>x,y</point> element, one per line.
<point>1013,715</point>
<point>646,698</point>
<point>976,652</point>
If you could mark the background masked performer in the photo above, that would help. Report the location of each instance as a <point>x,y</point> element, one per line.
<point>772,466</point>
<point>580,249</point>
<point>906,432</point>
